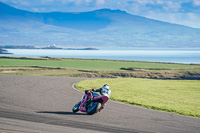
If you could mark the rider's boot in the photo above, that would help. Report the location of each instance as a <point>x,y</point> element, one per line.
<point>101,109</point>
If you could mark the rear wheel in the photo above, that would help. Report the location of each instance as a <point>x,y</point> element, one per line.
<point>93,108</point>
<point>76,107</point>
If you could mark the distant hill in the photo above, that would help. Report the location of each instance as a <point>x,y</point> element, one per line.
<point>99,28</point>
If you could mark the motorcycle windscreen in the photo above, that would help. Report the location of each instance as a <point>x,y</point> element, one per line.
<point>95,94</point>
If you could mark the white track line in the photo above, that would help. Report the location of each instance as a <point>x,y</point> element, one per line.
<point>73,86</point>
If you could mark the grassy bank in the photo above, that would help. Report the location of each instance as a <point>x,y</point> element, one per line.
<point>177,96</point>
<point>97,68</point>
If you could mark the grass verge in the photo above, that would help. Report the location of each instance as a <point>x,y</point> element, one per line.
<point>177,96</point>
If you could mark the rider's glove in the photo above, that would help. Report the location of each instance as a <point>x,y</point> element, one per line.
<point>87,91</point>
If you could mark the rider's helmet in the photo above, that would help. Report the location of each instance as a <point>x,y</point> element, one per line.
<point>105,86</point>
<point>105,90</point>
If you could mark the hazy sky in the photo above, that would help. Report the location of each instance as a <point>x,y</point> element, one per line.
<point>184,12</point>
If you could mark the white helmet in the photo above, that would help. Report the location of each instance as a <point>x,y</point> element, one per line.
<point>105,86</point>
<point>106,91</point>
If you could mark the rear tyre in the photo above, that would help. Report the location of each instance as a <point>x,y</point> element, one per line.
<point>76,107</point>
<point>93,108</point>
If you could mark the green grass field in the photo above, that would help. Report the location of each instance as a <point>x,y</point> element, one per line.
<point>96,68</point>
<point>83,64</point>
<point>178,96</point>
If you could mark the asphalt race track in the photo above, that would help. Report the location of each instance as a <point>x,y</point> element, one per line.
<point>43,105</point>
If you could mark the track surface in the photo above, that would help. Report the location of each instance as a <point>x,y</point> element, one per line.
<point>43,105</point>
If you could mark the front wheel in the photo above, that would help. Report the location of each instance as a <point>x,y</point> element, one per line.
<point>93,108</point>
<point>76,107</point>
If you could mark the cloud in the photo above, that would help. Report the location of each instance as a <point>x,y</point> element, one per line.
<point>196,2</point>
<point>100,2</point>
<point>35,9</point>
<point>75,2</point>
<point>19,2</point>
<point>192,20</point>
<point>187,19</point>
<point>158,5</point>
<point>47,1</point>
<point>160,2</point>
<point>144,1</point>
<point>88,1</point>
<point>172,6</point>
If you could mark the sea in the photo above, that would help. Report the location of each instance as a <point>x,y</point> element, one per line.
<point>185,56</point>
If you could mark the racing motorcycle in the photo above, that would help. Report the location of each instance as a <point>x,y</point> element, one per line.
<point>92,102</point>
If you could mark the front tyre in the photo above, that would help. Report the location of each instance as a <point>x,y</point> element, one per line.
<point>93,108</point>
<point>76,107</point>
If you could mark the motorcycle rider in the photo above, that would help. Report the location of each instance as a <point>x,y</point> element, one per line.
<point>105,91</point>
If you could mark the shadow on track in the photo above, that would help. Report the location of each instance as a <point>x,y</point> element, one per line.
<point>60,113</point>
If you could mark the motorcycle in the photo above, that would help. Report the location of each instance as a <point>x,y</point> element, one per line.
<point>92,102</point>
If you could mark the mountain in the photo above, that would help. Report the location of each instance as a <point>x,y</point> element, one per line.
<point>99,28</point>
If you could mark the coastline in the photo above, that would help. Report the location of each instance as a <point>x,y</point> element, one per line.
<point>3,51</point>
<point>164,55</point>
<point>45,47</point>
